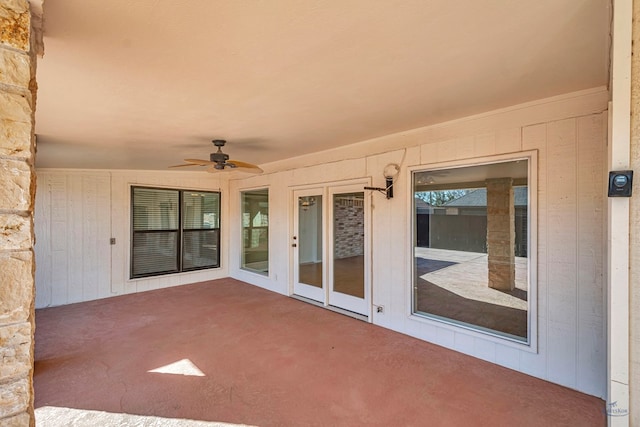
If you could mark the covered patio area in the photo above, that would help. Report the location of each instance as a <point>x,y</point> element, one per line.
<point>225,351</point>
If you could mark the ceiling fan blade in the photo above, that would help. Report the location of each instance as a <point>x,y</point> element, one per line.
<point>186,164</point>
<point>248,167</point>
<point>200,162</point>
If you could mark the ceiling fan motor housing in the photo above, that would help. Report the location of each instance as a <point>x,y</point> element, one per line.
<point>219,157</point>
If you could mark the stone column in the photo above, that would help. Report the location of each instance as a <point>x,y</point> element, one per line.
<point>17,190</point>
<point>501,234</point>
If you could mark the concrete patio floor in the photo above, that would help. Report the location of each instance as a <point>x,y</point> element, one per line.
<point>226,353</point>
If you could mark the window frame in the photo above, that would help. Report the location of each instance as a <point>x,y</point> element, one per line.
<point>529,345</point>
<point>180,232</point>
<point>242,254</point>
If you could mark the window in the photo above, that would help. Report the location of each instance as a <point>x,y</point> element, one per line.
<point>255,231</point>
<point>472,245</point>
<point>173,231</point>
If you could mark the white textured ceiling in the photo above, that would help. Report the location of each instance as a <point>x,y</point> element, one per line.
<point>143,84</point>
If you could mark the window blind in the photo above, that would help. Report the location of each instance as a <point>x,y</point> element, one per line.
<point>173,230</point>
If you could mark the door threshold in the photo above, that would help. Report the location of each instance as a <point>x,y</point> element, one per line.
<point>339,310</point>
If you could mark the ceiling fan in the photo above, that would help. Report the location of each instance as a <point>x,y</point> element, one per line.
<point>219,161</point>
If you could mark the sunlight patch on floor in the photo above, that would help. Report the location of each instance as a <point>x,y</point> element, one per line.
<point>181,367</point>
<point>51,416</point>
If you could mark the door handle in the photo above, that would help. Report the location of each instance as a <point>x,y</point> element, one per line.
<point>293,245</point>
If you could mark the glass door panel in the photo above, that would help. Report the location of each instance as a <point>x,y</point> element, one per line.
<point>348,250</point>
<point>308,245</point>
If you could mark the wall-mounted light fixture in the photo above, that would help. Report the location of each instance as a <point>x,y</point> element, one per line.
<point>390,172</point>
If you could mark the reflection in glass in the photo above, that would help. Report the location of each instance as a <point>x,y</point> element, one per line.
<point>348,244</point>
<point>310,240</point>
<point>201,225</point>
<point>471,246</point>
<point>255,231</point>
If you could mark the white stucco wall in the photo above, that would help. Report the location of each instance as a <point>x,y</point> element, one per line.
<point>569,134</point>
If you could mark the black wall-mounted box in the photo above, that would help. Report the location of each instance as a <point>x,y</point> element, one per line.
<point>620,183</point>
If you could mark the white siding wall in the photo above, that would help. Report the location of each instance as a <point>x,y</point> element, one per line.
<point>77,212</point>
<point>571,243</point>
<point>72,224</point>
<point>569,134</point>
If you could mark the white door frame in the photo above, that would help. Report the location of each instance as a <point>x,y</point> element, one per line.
<point>326,296</point>
<point>299,288</point>
<point>337,299</point>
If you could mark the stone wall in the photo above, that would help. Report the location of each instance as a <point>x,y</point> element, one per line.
<point>17,190</point>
